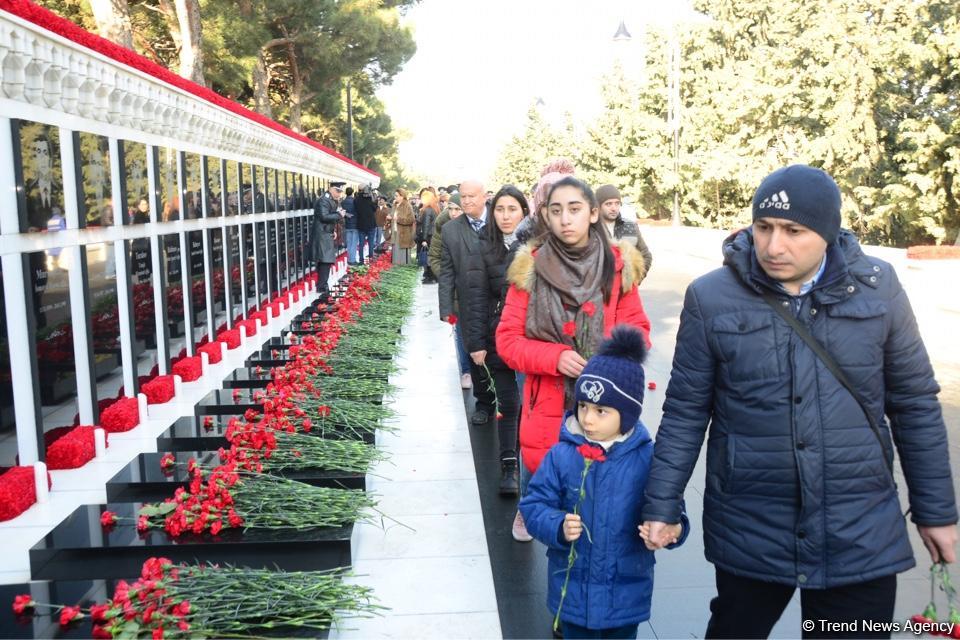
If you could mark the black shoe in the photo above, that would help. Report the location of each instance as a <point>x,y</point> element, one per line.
<point>480,418</point>
<point>509,484</point>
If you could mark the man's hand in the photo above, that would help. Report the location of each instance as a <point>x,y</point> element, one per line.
<point>479,357</point>
<point>570,363</point>
<point>657,535</point>
<point>572,527</point>
<point>941,542</point>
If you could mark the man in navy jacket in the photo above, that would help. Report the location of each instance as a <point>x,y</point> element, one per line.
<point>799,489</point>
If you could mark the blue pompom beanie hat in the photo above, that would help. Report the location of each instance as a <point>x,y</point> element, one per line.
<point>806,195</point>
<point>614,376</point>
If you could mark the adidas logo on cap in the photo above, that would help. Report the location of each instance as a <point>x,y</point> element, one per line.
<point>776,201</point>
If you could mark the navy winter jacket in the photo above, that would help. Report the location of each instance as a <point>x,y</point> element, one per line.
<point>611,583</point>
<point>798,489</point>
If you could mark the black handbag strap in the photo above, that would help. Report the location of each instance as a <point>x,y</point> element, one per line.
<point>783,310</point>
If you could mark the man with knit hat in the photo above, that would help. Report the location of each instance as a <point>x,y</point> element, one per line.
<point>803,356</point>
<point>608,197</point>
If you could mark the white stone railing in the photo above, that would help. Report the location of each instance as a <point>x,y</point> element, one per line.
<point>48,78</point>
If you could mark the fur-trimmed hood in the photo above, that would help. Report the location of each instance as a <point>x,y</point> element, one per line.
<point>628,262</point>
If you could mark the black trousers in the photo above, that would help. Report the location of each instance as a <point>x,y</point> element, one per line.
<point>323,275</point>
<point>747,608</point>
<point>508,398</point>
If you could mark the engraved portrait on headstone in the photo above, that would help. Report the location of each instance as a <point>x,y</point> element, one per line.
<point>41,173</point>
<point>135,182</point>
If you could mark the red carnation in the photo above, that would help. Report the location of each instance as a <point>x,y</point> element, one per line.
<point>108,519</point>
<point>452,318</point>
<point>17,492</point>
<point>231,338</point>
<point>591,452</point>
<point>69,614</point>
<point>570,328</point>
<point>189,369</point>
<point>22,603</point>
<point>589,308</point>
<point>101,633</point>
<point>307,424</point>
<point>122,415</point>
<point>167,461</point>
<point>159,390</point>
<point>69,447</point>
<point>212,349</point>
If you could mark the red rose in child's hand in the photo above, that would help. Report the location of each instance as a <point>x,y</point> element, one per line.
<point>570,328</point>
<point>589,308</point>
<point>591,452</point>
<point>652,386</point>
<point>452,318</point>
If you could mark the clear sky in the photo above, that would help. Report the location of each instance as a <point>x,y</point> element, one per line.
<point>481,64</point>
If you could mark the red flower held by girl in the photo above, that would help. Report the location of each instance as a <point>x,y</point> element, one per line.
<point>589,308</point>
<point>570,328</point>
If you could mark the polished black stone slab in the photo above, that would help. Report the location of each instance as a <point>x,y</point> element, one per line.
<point>193,434</point>
<point>269,357</point>
<point>79,548</point>
<point>225,402</point>
<point>143,479</point>
<point>248,378</point>
<point>44,624</point>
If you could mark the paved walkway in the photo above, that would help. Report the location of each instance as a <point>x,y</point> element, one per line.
<point>436,578</point>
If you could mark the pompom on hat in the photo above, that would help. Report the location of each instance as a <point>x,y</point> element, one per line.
<point>614,376</point>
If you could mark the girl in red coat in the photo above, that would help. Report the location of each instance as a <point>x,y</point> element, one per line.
<point>567,291</point>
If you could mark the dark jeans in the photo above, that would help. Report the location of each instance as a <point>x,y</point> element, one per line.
<point>367,239</point>
<point>323,275</point>
<point>747,608</point>
<point>571,631</point>
<point>505,383</point>
<point>463,358</point>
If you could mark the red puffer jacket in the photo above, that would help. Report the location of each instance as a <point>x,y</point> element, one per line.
<point>543,408</point>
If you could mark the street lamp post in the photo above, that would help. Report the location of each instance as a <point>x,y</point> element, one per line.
<point>674,116</point>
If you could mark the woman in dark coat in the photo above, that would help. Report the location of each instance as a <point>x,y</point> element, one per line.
<point>486,285</point>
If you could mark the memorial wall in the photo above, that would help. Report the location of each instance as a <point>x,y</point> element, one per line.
<point>139,217</point>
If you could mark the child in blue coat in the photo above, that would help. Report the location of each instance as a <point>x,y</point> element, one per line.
<point>610,584</point>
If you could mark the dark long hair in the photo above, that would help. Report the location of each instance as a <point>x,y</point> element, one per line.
<point>493,230</point>
<point>609,268</point>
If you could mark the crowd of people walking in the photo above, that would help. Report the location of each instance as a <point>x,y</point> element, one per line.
<point>798,360</point>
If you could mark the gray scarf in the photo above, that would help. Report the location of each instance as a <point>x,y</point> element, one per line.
<point>567,278</point>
